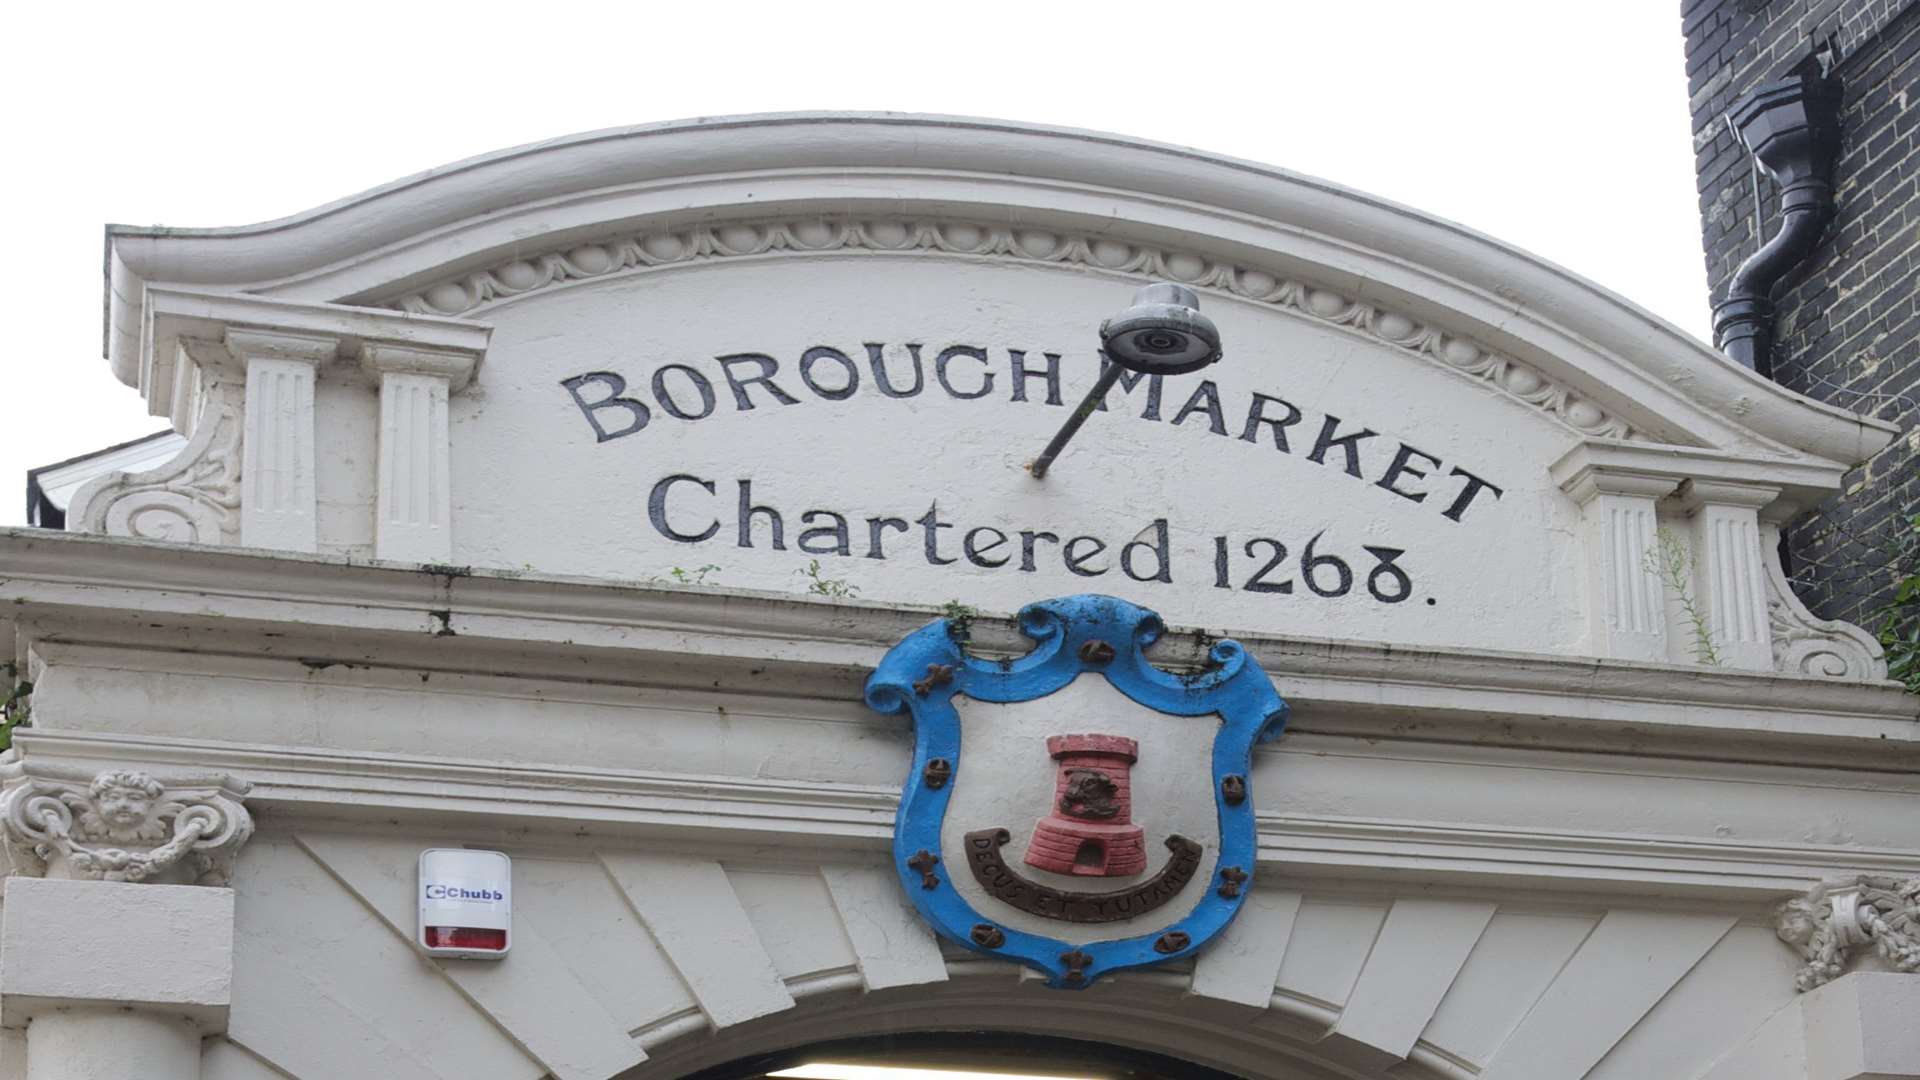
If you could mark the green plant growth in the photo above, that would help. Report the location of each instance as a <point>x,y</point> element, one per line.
<point>1670,559</point>
<point>680,575</point>
<point>16,709</point>
<point>959,618</point>
<point>821,585</point>
<point>1900,630</point>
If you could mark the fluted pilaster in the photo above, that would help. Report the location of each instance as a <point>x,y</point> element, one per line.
<point>278,502</point>
<point>1729,571</point>
<point>1627,604</point>
<point>415,499</point>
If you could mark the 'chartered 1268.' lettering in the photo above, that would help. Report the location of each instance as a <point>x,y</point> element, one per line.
<point>690,509</point>
<point>615,407</point>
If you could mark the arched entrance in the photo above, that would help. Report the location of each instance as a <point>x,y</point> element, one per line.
<point>983,1051</point>
<point>1137,1026</point>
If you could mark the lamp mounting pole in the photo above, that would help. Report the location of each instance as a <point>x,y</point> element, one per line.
<point>1161,333</point>
<point>1109,374</point>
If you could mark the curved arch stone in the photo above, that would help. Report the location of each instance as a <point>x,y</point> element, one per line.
<point>1151,1012</point>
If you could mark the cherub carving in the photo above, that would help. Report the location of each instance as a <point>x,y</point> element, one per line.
<point>121,809</point>
<point>1806,923</point>
<point>1838,916</point>
<point>124,825</point>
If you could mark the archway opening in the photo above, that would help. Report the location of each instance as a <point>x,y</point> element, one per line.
<point>988,1016</point>
<point>987,1055</point>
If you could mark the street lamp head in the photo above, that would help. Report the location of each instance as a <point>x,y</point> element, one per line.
<point>1162,333</point>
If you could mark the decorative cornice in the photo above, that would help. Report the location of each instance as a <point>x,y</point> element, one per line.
<point>329,609</point>
<point>471,293</point>
<point>1837,920</point>
<point>410,234</point>
<point>122,824</point>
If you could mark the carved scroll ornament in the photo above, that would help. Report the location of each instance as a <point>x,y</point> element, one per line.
<point>194,498</point>
<point>124,825</point>
<point>1805,645</point>
<point>1841,919</point>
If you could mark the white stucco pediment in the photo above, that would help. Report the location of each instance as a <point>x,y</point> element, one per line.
<point>864,326</point>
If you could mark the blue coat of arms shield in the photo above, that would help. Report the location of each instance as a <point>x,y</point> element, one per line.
<point>1076,809</point>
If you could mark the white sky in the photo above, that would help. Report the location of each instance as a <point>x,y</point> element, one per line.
<point>1559,128</point>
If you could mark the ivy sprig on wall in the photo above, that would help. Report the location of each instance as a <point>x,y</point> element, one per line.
<point>1670,560</point>
<point>15,700</point>
<point>1900,631</point>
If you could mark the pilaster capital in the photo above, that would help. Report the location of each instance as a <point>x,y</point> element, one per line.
<point>1590,482</point>
<point>1840,920</point>
<point>1696,493</point>
<point>122,824</point>
<point>248,345</point>
<point>379,358</point>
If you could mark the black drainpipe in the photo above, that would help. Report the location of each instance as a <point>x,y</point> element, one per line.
<point>1792,129</point>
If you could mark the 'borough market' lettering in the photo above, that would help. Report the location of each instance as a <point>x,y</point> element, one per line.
<point>615,408</point>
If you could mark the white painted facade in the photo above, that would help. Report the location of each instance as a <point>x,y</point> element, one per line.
<point>407,587</point>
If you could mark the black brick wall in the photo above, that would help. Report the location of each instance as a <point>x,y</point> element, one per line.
<point>1849,318</point>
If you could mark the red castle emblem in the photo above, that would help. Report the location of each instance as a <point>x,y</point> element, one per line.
<point>1091,830</point>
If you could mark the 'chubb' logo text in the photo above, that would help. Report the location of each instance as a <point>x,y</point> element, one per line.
<point>455,892</point>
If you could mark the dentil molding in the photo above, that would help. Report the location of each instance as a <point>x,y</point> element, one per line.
<point>468,294</point>
<point>122,824</point>
<point>1839,920</point>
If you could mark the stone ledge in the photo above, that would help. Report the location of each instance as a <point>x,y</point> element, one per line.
<point>302,788</point>
<point>311,613</point>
